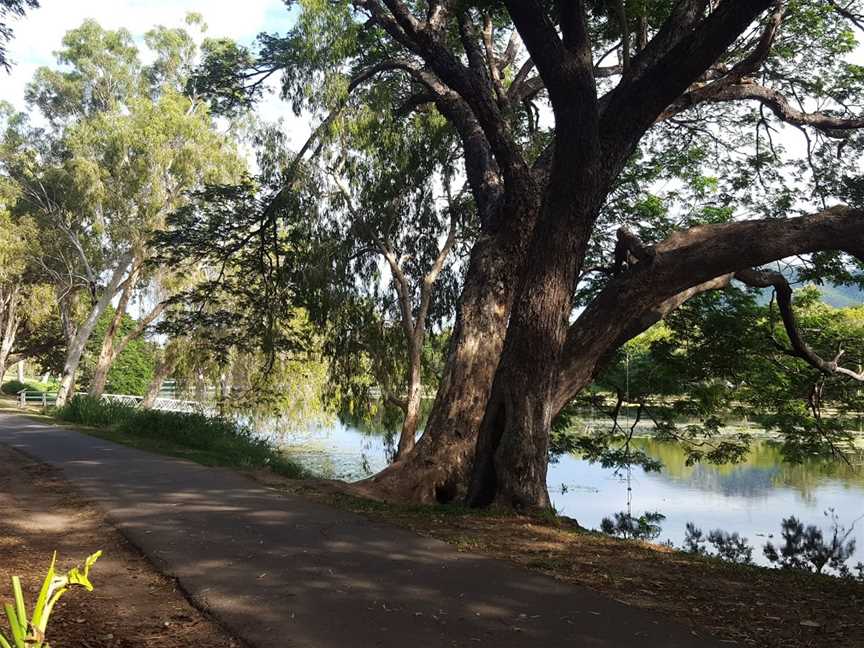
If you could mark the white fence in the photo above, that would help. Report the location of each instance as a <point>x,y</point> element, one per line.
<point>29,397</point>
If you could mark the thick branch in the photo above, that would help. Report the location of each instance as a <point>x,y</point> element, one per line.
<point>800,349</point>
<point>664,71</point>
<point>688,259</point>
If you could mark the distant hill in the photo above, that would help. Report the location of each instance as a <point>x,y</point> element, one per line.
<point>841,296</point>
<point>832,294</point>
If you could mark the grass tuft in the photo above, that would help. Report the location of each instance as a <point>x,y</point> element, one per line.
<point>214,441</point>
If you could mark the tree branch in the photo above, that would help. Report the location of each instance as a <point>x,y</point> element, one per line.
<point>681,52</point>
<point>686,263</point>
<point>831,125</point>
<point>800,349</point>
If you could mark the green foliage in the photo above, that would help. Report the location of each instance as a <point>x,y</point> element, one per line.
<point>132,371</point>
<point>730,547</point>
<point>624,525</point>
<point>718,359</point>
<point>806,548</point>
<point>11,9</point>
<point>94,412</point>
<point>218,440</point>
<point>14,386</point>
<point>31,632</point>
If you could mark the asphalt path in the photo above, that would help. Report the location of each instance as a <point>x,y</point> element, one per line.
<point>281,571</point>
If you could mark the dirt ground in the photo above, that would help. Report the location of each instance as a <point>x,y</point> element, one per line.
<point>132,606</point>
<point>745,606</point>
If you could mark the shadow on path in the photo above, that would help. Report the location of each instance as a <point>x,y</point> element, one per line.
<point>282,571</point>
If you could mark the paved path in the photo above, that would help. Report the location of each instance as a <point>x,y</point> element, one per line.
<point>282,571</point>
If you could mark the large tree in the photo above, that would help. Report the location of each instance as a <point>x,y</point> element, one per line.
<point>123,146</point>
<point>552,137</point>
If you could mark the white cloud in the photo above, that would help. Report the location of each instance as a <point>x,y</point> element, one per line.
<point>39,33</point>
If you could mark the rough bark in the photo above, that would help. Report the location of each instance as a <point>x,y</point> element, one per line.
<point>528,360</point>
<point>438,468</point>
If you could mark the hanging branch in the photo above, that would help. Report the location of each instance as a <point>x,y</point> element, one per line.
<point>799,348</point>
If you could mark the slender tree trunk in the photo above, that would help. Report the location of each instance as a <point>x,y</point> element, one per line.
<point>413,401</point>
<point>85,330</point>
<point>20,367</point>
<point>164,368</point>
<point>438,468</point>
<point>8,329</point>
<point>109,351</point>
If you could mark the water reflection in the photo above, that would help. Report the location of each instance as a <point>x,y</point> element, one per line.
<point>750,497</point>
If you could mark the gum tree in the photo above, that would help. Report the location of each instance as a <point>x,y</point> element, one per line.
<point>123,146</point>
<point>562,107</point>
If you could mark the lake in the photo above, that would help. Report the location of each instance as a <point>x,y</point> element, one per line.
<point>749,497</point>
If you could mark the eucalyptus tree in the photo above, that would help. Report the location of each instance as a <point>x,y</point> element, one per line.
<point>385,254</point>
<point>560,108</point>
<point>123,146</point>
<point>16,241</point>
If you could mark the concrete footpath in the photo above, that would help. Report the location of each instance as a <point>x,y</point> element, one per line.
<point>282,571</point>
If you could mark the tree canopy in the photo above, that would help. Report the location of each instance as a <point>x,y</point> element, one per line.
<point>622,159</point>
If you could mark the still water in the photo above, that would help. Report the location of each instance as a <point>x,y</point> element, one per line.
<point>750,497</point>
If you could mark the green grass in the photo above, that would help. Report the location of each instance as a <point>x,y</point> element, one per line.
<point>211,441</point>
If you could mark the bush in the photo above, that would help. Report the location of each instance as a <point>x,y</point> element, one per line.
<point>95,412</point>
<point>13,387</point>
<point>230,442</point>
<point>807,548</point>
<point>645,527</point>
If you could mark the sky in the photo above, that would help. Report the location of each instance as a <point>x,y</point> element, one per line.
<point>38,35</point>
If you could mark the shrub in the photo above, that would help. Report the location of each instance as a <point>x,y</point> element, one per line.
<point>806,548</point>
<point>95,412</point>
<point>731,547</point>
<point>645,527</point>
<point>13,387</point>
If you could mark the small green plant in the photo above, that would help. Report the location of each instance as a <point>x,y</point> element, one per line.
<point>30,633</point>
<point>624,525</point>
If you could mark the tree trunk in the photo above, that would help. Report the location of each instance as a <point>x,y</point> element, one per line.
<point>164,368</point>
<point>85,330</point>
<point>511,457</point>
<point>100,375</point>
<point>438,468</point>
<point>20,367</point>
<point>109,351</point>
<point>413,402</point>
<point>8,329</point>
